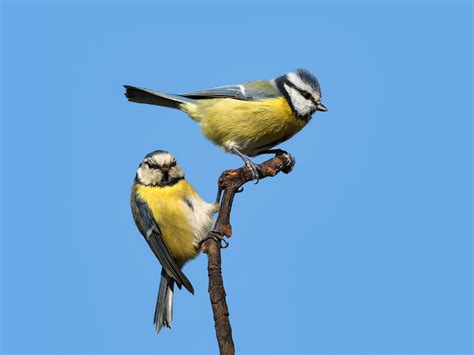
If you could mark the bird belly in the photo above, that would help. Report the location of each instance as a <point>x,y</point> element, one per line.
<point>250,126</point>
<point>182,227</point>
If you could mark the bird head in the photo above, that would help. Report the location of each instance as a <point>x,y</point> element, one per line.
<point>159,168</point>
<point>301,90</point>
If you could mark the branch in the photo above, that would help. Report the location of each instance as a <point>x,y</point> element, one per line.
<point>229,183</point>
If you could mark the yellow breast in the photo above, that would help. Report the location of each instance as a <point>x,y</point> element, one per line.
<point>169,209</point>
<point>249,125</point>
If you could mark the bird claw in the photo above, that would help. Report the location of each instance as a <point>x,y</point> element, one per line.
<point>249,165</point>
<point>291,160</point>
<point>252,167</point>
<point>214,235</point>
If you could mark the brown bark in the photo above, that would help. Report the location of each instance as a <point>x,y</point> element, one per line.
<point>229,184</point>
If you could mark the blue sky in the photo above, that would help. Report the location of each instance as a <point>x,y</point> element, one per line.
<point>364,249</point>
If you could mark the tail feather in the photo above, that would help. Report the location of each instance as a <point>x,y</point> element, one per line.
<point>164,303</point>
<point>146,96</point>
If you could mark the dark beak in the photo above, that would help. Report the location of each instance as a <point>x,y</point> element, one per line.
<point>321,107</point>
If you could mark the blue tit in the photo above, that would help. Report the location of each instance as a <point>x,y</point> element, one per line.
<point>174,219</point>
<point>246,119</point>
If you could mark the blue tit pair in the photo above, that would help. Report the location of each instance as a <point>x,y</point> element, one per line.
<point>247,119</point>
<point>174,219</point>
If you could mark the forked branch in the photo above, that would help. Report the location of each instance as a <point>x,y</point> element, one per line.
<point>229,184</point>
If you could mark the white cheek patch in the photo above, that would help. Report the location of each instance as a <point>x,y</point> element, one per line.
<point>176,172</point>
<point>149,176</point>
<point>301,105</point>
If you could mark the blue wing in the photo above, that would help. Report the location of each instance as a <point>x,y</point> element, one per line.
<point>254,90</point>
<point>152,233</point>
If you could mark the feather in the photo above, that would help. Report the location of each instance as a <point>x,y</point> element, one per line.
<point>152,233</point>
<point>254,90</point>
<point>147,96</point>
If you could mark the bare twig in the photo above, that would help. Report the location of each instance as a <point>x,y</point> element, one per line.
<point>229,184</point>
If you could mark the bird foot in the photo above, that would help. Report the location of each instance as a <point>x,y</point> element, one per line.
<point>291,160</point>
<point>216,236</point>
<point>252,167</point>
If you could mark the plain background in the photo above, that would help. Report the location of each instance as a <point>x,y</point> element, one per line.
<point>364,249</point>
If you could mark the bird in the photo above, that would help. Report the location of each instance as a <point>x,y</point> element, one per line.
<point>246,119</point>
<point>174,220</point>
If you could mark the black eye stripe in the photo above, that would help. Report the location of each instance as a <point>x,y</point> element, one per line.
<point>303,93</point>
<point>156,166</point>
<point>306,95</point>
<point>170,165</point>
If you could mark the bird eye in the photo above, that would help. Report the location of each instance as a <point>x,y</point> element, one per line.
<point>306,95</point>
<point>150,165</point>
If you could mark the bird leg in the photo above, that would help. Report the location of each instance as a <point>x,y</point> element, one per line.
<point>250,165</point>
